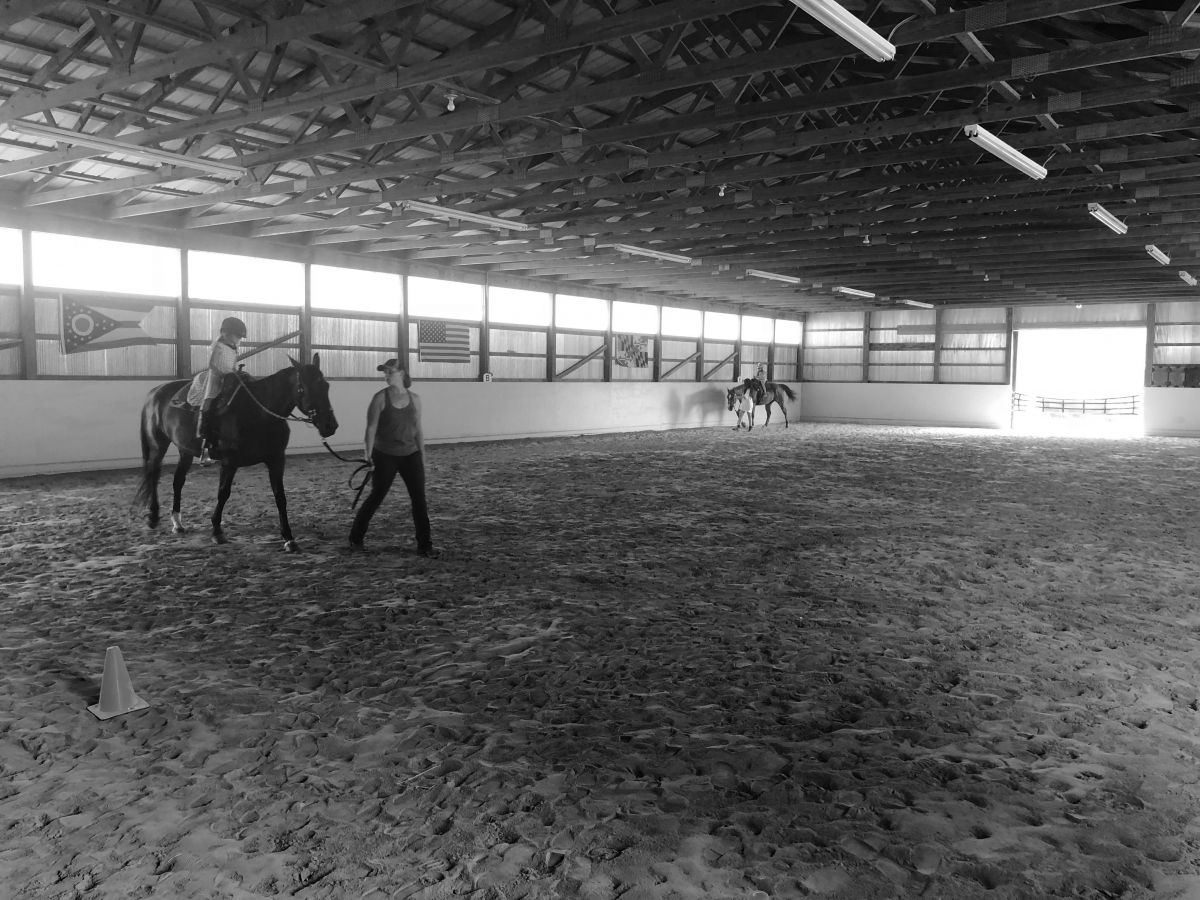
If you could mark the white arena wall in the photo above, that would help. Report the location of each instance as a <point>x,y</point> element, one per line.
<point>1172,412</point>
<point>878,403</point>
<point>56,425</point>
<point>53,426</point>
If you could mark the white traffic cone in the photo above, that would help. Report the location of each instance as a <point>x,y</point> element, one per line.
<point>116,690</point>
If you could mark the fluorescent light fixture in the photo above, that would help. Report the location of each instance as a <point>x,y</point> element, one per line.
<point>1157,255</point>
<point>1188,278</point>
<point>449,212</point>
<point>1109,220</point>
<point>919,303</point>
<point>854,292</point>
<point>844,23</point>
<point>993,145</point>
<point>652,254</point>
<point>110,145</point>
<point>771,276</point>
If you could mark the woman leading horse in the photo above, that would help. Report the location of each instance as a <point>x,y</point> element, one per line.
<point>773,394</point>
<point>256,416</point>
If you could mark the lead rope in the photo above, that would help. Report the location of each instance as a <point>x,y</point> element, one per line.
<point>365,464</point>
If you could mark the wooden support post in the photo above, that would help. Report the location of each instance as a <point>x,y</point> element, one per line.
<point>700,358</point>
<point>656,365</point>
<point>485,332</point>
<point>306,317</point>
<point>608,342</point>
<point>938,337</point>
<point>866,348</point>
<point>183,319</point>
<point>771,359</point>
<point>1151,342</point>
<point>1009,350</point>
<point>27,315</point>
<point>552,340</point>
<point>402,326</point>
<point>800,349</point>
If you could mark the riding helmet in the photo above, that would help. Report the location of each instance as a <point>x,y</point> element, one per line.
<point>234,325</point>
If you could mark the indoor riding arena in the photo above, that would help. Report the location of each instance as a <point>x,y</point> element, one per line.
<point>794,419</point>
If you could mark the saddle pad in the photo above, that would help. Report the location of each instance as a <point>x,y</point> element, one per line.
<point>179,401</point>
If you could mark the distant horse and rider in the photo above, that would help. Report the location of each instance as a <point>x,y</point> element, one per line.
<point>253,416</point>
<point>751,393</point>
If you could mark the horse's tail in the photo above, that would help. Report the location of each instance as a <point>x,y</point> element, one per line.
<point>146,434</point>
<point>791,395</point>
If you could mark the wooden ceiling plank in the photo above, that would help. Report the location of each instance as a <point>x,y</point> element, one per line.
<point>249,40</point>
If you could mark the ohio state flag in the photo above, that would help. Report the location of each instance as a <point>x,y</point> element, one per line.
<point>83,327</point>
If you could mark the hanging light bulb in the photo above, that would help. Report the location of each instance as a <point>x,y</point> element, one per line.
<point>451,96</point>
<point>721,191</point>
<point>866,239</point>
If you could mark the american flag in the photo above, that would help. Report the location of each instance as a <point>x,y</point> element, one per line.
<point>631,351</point>
<point>443,342</point>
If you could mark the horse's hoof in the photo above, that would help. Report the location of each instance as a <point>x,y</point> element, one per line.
<point>152,524</point>
<point>220,539</point>
<point>179,529</point>
<point>291,547</point>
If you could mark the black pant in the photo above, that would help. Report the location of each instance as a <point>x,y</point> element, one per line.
<point>412,469</point>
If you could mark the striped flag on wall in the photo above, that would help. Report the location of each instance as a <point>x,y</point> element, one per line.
<point>631,351</point>
<point>443,342</point>
<point>83,327</point>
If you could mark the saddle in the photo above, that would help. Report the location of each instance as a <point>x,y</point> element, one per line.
<point>180,399</point>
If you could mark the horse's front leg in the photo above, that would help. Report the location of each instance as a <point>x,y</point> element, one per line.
<point>783,409</point>
<point>275,473</point>
<point>228,470</point>
<point>768,421</point>
<point>181,471</point>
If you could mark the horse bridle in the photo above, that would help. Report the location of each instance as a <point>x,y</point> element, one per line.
<point>301,398</point>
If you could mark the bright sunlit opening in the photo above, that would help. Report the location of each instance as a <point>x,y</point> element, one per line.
<point>355,290</point>
<point>229,278</point>
<point>684,323</point>
<point>634,318</point>
<point>515,307</point>
<point>1061,372</point>
<point>11,267</point>
<point>721,326</point>
<point>757,330</point>
<point>788,331</point>
<point>97,265</point>
<point>584,313</point>
<point>432,298</point>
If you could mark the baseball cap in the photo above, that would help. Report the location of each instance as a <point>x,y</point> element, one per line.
<point>388,366</point>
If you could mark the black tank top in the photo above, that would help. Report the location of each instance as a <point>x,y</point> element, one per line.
<point>397,431</point>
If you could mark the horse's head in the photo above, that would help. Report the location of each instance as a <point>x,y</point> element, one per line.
<point>312,396</point>
<point>733,395</point>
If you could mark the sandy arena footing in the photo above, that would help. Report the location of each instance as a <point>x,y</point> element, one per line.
<point>827,661</point>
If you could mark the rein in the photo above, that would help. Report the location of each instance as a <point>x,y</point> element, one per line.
<point>350,481</point>
<point>307,418</point>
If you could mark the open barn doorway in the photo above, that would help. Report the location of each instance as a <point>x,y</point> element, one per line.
<point>1079,381</point>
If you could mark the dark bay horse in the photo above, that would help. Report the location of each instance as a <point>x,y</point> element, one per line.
<point>774,394</point>
<point>257,415</point>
